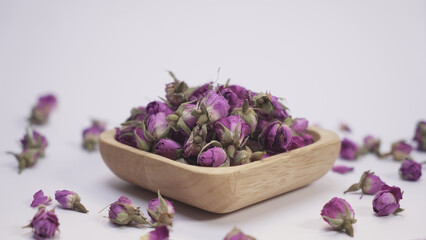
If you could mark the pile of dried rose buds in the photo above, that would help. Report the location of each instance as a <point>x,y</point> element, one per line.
<point>214,125</point>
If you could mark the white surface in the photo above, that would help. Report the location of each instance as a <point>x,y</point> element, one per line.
<point>359,62</point>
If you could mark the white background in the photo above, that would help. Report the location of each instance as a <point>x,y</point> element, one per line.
<point>360,62</point>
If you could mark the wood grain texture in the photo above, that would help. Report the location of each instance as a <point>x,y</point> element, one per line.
<point>226,189</point>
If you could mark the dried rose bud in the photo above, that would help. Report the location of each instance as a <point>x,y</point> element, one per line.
<point>70,200</point>
<point>182,120</point>
<point>339,214</point>
<point>342,169</point>
<point>40,199</point>
<point>369,183</point>
<point>161,211</point>
<point>246,156</point>
<point>168,148</point>
<point>44,223</point>
<point>133,136</point>
<point>27,158</point>
<point>387,201</point>
<point>372,144</point>
<point>276,137</point>
<point>176,91</point>
<point>213,157</point>
<point>401,150</point>
<point>195,142</point>
<point>410,170</point>
<point>420,136</point>
<point>157,126</point>
<point>234,100</point>
<point>33,139</point>
<point>349,149</point>
<point>269,107</point>
<point>91,135</point>
<point>159,233</point>
<point>156,107</point>
<point>248,114</point>
<point>237,234</point>
<point>300,141</point>
<point>201,92</point>
<point>123,212</point>
<point>232,130</point>
<point>137,114</point>
<point>41,111</point>
<point>211,108</point>
<point>299,125</point>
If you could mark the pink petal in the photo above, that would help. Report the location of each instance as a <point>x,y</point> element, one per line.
<point>342,169</point>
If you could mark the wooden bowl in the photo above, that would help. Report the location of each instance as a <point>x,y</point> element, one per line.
<point>225,189</point>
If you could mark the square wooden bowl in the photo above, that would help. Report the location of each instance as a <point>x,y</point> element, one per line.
<point>225,189</point>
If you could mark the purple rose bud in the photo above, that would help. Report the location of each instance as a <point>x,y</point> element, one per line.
<point>372,144</point>
<point>211,108</point>
<point>159,233</point>
<point>91,135</point>
<point>299,125</point>
<point>269,107</point>
<point>157,126</point>
<point>195,142</point>
<point>342,169</point>
<point>232,130</point>
<point>123,212</point>
<point>237,234</point>
<point>27,158</point>
<point>182,120</point>
<point>137,114</point>
<point>420,136</point>
<point>176,91</point>
<point>156,107</point>
<point>387,201</point>
<point>161,211</point>
<point>369,183</point>
<point>133,136</point>
<point>235,95</point>
<point>40,199</point>
<point>401,150</point>
<point>168,148</point>
<point>41,111</point>
<point>213,157</point>
<point>339,214</point>
<point>348,149</point>
<point>410,170</point>
<point>201,92</point>
<point>33,139</point>
<point>245,156</point>
<point>276,137</point>
<point>70,200</point>
<point>44,223</point>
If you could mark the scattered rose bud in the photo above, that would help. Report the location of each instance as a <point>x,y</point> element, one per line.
<point>369,183</point>
<point>232,130</point>
<point>161,211</point>
<point>91,135</point>
<point>372,145</point>
<point>168,148</point>
<point>33,139</point>
<point>387,200</point>
<point>237,234</point>
<point>40,199</point>
<point>41,111</point>
<point>342,169</point>
<point>410,170</point>
<point>400,150</point>
<point>345,128</point>
<point>123,212</point>
<point>27,158</point>
<point>420,136</point>
<point>70,200</point>
<point>176,91</point>
<point>339,214</point>
<point>276,137</point>
<point>44,223</point>
<point>159,233</point>
<point>349,149</point>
